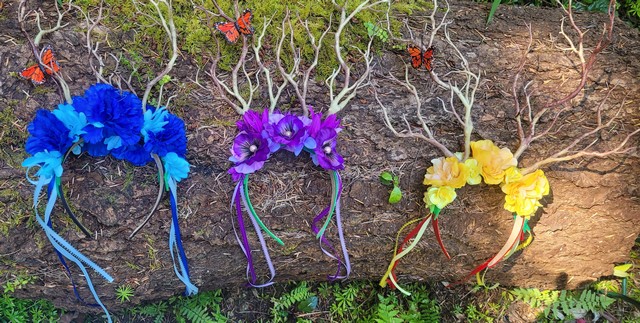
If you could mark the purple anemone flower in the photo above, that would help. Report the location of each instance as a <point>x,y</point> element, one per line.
<point>324,153</point>
<point>253,122</point>
<point>331,122</point>
<point>287,130</point>
<point>249,152</point>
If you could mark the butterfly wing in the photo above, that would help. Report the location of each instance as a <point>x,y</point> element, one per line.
<point>244,22</point>
<point>33,73</point>
<point>229,30</point>
<point>416,55</point>
<point>427,58</point>
<point>49,60</point>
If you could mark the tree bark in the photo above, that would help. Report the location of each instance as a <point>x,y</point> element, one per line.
<point>588,223</point>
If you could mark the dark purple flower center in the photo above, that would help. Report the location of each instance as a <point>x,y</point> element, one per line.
<point>250,147</point>
<point>288,129</point>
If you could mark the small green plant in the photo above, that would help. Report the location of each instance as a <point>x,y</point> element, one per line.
<point>421,308</point>
<point>345,300</point>
<point>634,9</point>
<point>20,281</point>
<point>300,295</point>
<point>621,271</point>
<point>22,310</point>
<point>375,31</point>
<point>592,5</point>
<point>562,304</point>
<point>389,179</point>
<point>203,307</point>
<point>387,311</point>
<point>156,311</point>
<point>475,315</point>
<point>124,293</point>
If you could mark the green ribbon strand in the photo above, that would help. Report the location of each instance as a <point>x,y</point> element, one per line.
<point>334,200</point>
<point>245,186</point>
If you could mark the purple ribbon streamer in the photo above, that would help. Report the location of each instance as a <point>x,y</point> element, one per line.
<point>239,199</point>
<point>334,254</point>
<point>263,244</point>
<point>244,242</point>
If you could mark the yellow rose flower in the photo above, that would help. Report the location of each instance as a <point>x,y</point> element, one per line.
<point>439,196</point>
<point>512,174</point>
<point>474,171</point>
<point>493,160</point>
<point>522,207</point>
<point>426,200</point>
<point>523,195</point>
<point>446,172</point>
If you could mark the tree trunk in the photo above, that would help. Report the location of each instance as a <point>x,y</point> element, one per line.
<point>588,223</point>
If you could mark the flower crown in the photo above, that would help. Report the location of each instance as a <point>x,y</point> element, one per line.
<point>262,134</point>
<point>496,167</point>
<point>106,121</point>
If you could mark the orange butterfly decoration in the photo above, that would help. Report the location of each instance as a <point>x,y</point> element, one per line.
<point>36,73</point>
<point>418,58</point>
<point>232,30</point>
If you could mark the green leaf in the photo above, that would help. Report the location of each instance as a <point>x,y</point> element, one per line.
<point>395,196</point>
<point>308,305</point>
<point>386,178</point>
<point>494,7</point>
<point>370,28</point>
<point>621,270</point>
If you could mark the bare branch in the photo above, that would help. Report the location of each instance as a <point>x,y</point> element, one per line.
<point>229,94</point>
<point>349,89</point>
<point>300,87</point>
<point>410,134</point>
<point>59,25</point>
<point>65,94</point>
<point>274,94</point>
<point>586,64</point>
<point>170,29</point>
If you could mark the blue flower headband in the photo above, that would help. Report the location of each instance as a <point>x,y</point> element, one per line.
<point>106,121</point>
<point>261,135</point>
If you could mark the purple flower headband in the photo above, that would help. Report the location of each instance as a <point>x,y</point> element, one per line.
<point>261,135</point>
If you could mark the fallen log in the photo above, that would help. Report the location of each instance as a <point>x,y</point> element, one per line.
<point>588,223</point>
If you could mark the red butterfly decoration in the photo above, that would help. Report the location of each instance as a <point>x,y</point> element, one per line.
<point>36,72</point>
<point>419,58</point>
<point>232,30</point>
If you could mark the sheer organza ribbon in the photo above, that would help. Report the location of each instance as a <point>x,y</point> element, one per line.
<point>515,242</point>
<point>175,241</point>
<point>61,246</point>
<point>399,251</point>
<point>241,198</point>
<point>333,208</point>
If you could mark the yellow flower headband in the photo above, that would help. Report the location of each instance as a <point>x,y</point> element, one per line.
<point>492,165</point>
<point>482,160</point>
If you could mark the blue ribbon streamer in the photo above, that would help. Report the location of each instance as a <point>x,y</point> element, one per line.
<point>60,245</point>
<point>175,242</point>
<point>55,185</point>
